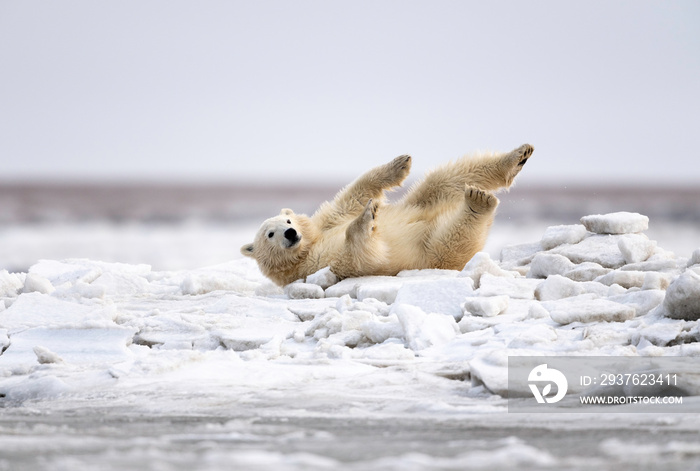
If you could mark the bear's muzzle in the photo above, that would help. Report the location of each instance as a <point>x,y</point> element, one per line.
<point>292,237</point>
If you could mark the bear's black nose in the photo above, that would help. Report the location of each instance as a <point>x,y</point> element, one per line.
<point>291,235</point>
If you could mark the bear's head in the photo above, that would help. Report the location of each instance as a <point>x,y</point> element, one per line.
<point>279,245</point>
<point>276,235</point>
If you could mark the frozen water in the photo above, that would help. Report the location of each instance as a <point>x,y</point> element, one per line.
<point>636,248</point>
<point>545,264</point>
<point>323,278</point>
<point>586,271</point>
<point>304,291</point>
<point>624,278</point>
<point>641,301</point>
<point>694,258</point>
<point>616,223</point>
<point>11,283</point>
<point>123,366</point>
<point>560,287</point>
<point>683,297</point>
<point>555,236</point>
<point>440,295</point>
<point>517,257</point>
<point>481,264</point>
<point>587,308</point>
<point>520,288</point>
<point>486,306</point>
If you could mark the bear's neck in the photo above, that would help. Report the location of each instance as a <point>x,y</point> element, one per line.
<point>284,273</point>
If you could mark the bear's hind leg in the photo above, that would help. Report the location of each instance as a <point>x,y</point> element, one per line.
<point>456,240</point>
<point>499,170</point>
<point>512,163</point>
<point>488,172</point>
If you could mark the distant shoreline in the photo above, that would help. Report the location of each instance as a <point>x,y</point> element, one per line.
<point>34,202</point>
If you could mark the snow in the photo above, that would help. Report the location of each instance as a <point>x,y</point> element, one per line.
<point>426,344</point>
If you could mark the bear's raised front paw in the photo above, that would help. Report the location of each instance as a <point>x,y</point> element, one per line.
<point>363,225</point>
<point>480,201</point>
<point>398,169</point>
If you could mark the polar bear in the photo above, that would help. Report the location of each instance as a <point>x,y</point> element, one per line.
<point>441,222</point>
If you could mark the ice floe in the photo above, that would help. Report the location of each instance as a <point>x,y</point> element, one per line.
<point>596,288</point>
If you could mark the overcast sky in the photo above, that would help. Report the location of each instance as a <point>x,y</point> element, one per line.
<point>606,91</point>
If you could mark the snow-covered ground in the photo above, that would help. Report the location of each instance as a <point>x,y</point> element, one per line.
<point>110,365</point>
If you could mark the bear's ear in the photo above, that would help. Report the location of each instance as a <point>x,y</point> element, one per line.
<point>287,212</point>
<point>247,250</point>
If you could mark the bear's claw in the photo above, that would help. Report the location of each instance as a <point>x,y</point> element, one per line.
<point>480,201</point>
<point>398,169</point>
<point>364,223</point>
<point>371,208</point>
<point>522,153</point>
<point>512,163</point>
<point>404,161</point>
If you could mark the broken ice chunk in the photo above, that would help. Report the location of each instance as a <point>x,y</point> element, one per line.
<point>423,330</point>
<point>480,264</point>
<point>587,308</point>
<point>600,249</point>
<point>519,288</point>
<point>586,271</point>
<point>45,356</point>
<point>641,301</point>
<point>443,296</point>
<point>694,258</point>
<point>545,264</point>
<point>323,278</point>
<point>558,287</point>
<point>37,283</point>
<point>636,247</point>
<point>616,223</point>
<point>490,306</point>
<point>384,291</point>
<point>303,291</point>
<point>626,279</point>
<point>682,299</point>
<point>555,236</point>
<point>513,256</point>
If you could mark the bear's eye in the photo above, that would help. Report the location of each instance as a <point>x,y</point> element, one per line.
<point>288,221</point>
<point>270,234</point>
